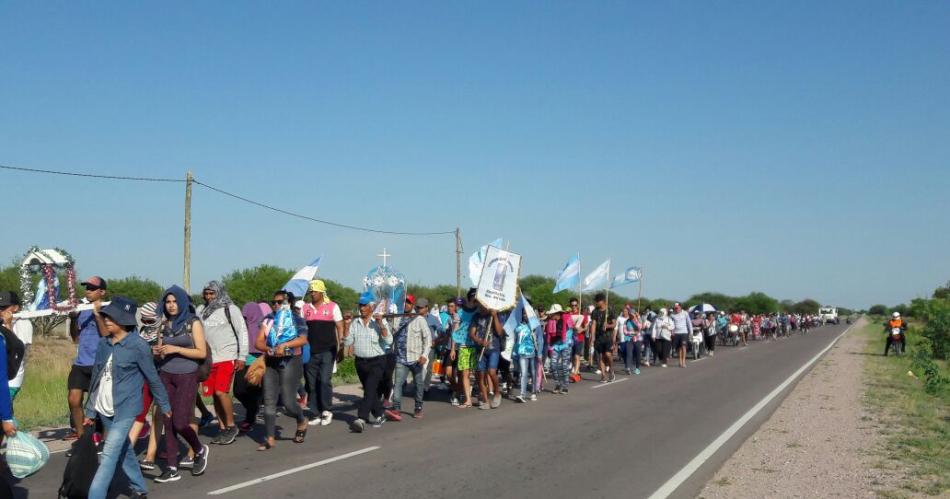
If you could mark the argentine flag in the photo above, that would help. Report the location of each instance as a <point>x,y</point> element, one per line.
<point>598,279</point>
<point>630,276</point>
<point>300,282</point>
<point>570,275</point>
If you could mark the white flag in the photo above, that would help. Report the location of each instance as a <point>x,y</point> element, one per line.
<point>598,278</point>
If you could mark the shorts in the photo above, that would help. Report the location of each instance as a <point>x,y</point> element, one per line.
<point>219,380</point>
<point>603,346</point>
<point>80,377</point>
<point>489,360</point>
<point>578,348</point>
<point>466,359</point>
<point>680,340</point>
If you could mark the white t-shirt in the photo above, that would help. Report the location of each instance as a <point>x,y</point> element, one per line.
<point>104,402</point>
<point>23,329</point>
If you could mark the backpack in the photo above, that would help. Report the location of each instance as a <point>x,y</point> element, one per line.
<point>204,365</point>
<point>15,351</point>
<point>81,467</point>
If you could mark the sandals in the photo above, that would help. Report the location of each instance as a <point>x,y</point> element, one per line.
<point>300,436</point>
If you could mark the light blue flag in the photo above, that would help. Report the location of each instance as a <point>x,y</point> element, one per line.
<point>515,318</point>
<point>477,261</point>
<point>570,275</point>
<point>629,276</point>
<point>300,282</point>
<point>598,279</point>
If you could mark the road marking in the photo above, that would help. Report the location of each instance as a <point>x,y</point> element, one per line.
<point>291,471</point>
<point>674,483</point>
<point>621,380</point>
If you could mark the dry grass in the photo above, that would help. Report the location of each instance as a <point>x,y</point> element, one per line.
<point>42,400</point>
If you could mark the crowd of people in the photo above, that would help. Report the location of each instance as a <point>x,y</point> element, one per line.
<point>140,371</point>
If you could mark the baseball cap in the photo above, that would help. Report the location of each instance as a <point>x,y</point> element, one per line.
<point>367,298</point>
<point>121,310</point>
<point>8,298</point>
<point>95,282</point>
<point>472,292</point>
<point>422,303</point>
<point>411,299</point>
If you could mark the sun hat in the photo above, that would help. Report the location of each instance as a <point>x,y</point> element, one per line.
<point>555,309</point>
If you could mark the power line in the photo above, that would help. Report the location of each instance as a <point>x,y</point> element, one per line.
<point>92,175</point>
<point>327,222</point>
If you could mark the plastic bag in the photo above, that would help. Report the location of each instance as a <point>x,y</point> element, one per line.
<point>283,328</point>
<point>25,454</point>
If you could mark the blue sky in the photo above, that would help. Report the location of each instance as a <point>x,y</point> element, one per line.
<point>797,148</point>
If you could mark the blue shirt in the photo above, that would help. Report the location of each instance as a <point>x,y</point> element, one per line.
<point>132,366</point>
<point>6,405</point>
<point>88,339</point>
<point>460,335</point>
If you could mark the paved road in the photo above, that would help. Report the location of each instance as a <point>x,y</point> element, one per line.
<point>624,439</point>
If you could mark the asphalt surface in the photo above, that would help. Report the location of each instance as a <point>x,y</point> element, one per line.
<point>623,439</point>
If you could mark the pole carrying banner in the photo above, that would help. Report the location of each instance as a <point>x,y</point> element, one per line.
<point>498,285</point>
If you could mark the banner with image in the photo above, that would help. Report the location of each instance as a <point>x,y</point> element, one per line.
<point>498,285</point>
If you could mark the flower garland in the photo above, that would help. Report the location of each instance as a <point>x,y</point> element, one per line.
<point>27,269</point>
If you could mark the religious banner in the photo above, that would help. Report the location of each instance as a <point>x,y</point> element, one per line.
<point>498,285</point>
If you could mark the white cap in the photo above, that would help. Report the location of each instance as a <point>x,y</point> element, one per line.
<point>896,314</point>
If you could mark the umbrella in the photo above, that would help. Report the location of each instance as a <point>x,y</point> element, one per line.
<point>704,308</point>
<point>300,282</point>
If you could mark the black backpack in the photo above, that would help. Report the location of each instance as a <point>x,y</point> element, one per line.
<point>81,467</point>
<point>15,351</point>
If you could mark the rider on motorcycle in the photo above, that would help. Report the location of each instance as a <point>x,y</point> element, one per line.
<point>895,329</point>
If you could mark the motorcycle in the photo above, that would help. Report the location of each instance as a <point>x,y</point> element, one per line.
<point>897,341</point>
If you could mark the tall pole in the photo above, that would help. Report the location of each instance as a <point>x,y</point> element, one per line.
<point>186,277</point>
<point>458,262</point>
<point>639,290</point>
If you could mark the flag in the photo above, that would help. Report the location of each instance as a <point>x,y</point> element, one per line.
<point>300,282</point>
<point>477,261</point>
<point>570,275</point>
<point>630,276</point>
<point>515,317</point>
<point>598,279</point>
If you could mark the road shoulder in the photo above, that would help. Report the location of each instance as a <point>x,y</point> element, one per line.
<point>816,444</point>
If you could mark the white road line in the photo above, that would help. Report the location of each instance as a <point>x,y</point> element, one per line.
<point>673,483</point>
<point>290,471</point>
<point>621,380</point>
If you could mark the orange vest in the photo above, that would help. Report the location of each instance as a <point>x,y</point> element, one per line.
<point>896,323</point>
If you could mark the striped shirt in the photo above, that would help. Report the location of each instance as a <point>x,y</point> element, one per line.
<point>366,338</point>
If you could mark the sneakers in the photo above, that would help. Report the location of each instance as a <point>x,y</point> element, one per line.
<point>314,421</point>
<point>357,425</point>
<point>201,461</point>
<point>186,462</point>
<point>613,377</point>
<point>378,423</point>
<point>147,465</point>
<point>534,397</point>
<point>496,401</point>
<point>326,418</point>
<point>392,415</point>
<point>628,372</point>
<point>227,436</point>
<point>564,391</point>
<point>417,414</point>
<point>206,420</point>
<point>557,390</point>
<point>455,401</point>
<point>636,371</point>
<point>663,365</point>
<point>170,475</point>
<point>520,398</point>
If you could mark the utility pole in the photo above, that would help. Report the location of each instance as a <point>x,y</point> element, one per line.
<point>458,262</point>
<point>186,277</point>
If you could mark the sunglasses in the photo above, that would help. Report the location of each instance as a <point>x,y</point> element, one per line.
<point>277,302</point>
<point>91,287</point>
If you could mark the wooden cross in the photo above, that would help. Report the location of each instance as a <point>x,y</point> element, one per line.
<point>385,257</point>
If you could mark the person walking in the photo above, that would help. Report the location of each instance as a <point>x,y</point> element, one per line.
<point>558,341</point>
<point>247,393</point>
<point>281,337</point>
<point>226,333</point>
<point>325,337</point>
<point>662,334</point>
<point>85,329</point>
<point>486,330</point>
<point>412,346</point>
<point>181,346</point>
<point>23,330</point>
<point>368,339</point>
<point>123,364</point>
<point>682,330</point>
<point>528,350</point>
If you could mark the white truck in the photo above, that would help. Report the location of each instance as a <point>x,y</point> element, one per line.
<point>828,315</point>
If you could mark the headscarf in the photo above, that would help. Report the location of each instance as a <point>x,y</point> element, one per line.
<point>221,299</point>
<point>186,311</point>
<point>253,315</point>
